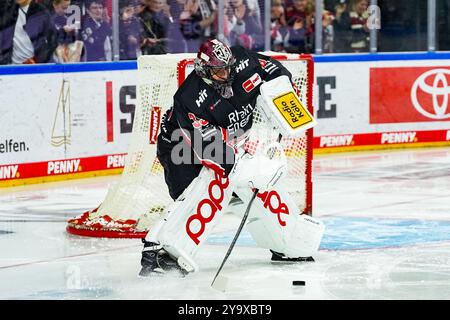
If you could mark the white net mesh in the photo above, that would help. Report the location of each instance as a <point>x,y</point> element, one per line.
<point>140,196</point>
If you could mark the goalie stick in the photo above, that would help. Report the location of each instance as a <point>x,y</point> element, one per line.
<point>238,232</point>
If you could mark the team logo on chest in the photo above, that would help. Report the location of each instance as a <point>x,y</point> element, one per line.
<point>252,82</point>
<point>267,66</point>
<point>239,118</point>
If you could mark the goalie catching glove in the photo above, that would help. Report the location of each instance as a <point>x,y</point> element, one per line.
<point>281,104</point>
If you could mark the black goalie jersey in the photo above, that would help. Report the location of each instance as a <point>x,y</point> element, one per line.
<point>196,131</point>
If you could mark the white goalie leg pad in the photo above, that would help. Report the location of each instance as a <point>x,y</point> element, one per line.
<point>191,218</point>
<point>275,223</point>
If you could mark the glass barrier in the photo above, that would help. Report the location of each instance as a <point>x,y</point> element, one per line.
<point>358,26</point>
<point>244,23</point>
<point>443,25</point>
<point>292,26</point>
<point>403,25</point>
<point>61,31</point>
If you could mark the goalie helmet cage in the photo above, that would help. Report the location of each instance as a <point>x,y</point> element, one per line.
<point>139,198</point>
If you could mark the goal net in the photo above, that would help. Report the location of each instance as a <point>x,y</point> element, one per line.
<point>139,198</point>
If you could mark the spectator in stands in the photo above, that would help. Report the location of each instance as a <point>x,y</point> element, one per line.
<point>254,8</point>
<point>139,7</point>
<point>295,40</point>
<point>330,5</point>
<point>297,10</point>
<point>278,25</point>
<point>208,24</point>
<point>287,3</point>
<point>342,28</point>
<point>197,22</point>
<point>328,32</point>
<point>130,31</point>
<point>360,31</point>
<point>96,32</point>
<point>405,30</point>
<point>79,4</point>
<point>69,46</point>
<point>176,43</point>
<point>245,26</point>
<point>73,12</point>
<point>4,11</point>
<point>27,34</point>
<point>300,29</point>
<point>155,20</point>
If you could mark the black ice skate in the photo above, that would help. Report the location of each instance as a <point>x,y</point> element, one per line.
<point>279,257</point>
<point>155,260</point>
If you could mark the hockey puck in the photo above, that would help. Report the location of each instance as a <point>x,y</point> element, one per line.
<point>298,283</point>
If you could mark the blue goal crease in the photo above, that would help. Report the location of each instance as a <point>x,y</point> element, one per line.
<point>358,233</point>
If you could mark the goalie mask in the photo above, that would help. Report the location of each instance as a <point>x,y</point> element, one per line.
<point>214,63</point>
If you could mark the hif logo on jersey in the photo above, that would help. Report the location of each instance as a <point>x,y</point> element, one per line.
<point>242,65</point>
<point>201,97</point>
<point>252,83</point>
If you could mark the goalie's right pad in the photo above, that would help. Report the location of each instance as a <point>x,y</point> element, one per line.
<point>280,103</point>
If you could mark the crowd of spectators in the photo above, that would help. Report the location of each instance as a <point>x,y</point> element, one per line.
<point>38,31</point>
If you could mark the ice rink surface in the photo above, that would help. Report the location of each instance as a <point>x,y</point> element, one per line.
<point>387,216</point>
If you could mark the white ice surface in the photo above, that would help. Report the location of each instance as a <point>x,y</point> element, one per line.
<point>387,237</point>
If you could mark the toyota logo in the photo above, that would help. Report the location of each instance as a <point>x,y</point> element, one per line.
<point>438,106</point>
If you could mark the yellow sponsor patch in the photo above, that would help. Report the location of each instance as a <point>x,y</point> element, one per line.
<point>292,110</point>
